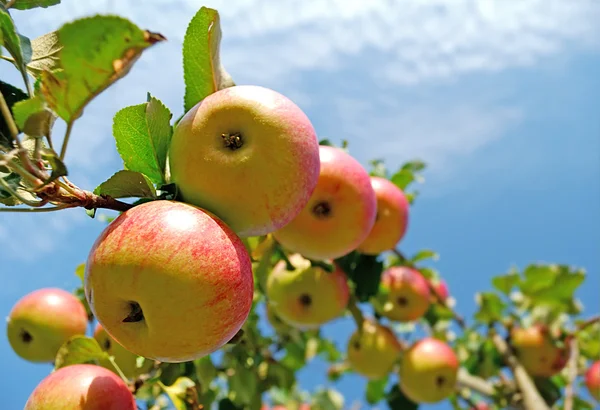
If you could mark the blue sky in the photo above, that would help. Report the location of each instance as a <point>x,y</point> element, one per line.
<point>499,98</point>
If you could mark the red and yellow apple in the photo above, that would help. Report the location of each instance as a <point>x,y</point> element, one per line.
<point>169,281</point>
<point>592,380</point>
<point>81,387</point>
<point>428,371</point>
<point>41,321</point>
<point>308,296</point>
<point>340,213</point>
<point>404,294</point>
<point>126,360</point>
<point>538,351</point>
<point>247,154</point>
<point>391,220</point>
<point>373,350</point>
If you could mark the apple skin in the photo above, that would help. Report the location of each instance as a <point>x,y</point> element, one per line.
<point>41,321</point>
<point>537,352</point>
<point>428,371</point>
<point>344,193</point>
<point>391,221</point>
<point>81,387</point>
<point>440,287</point>
<point>592,380</point>
<point>186,270</point>
<point>260,186</point>
<point>374,351</point>
<point>125,359</point>
<point>406,294</point>
<point>308,296</point>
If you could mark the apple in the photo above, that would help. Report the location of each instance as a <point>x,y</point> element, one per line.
<point>391,220</point>
<point>249,155</point>
<point>592,380</point>
<point>81,387</point>
<point>373,351</point>
<point>125,359</point>
<point>169,281</point>
<point>340,213</point>
<point>537,351</point>
<point>440,287</point>
<point>481,406</point>
<point>308,296</point>
<point>428,371</point>
<point>41,321</point>
<point>404,294</point>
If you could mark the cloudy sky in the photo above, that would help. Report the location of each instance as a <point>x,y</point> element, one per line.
<point>498,97</point>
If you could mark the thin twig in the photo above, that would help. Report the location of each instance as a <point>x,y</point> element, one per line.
<point>34,210</point>
<point>357,314</point>
<point>572,374</point>
<point>532,399</point>
<point>63,150</point>
<point>10,4</point>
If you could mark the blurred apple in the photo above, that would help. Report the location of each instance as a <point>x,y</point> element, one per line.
<point>404,294</point>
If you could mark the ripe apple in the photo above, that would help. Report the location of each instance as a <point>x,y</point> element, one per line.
<point>41,321</point>
<point>373,351</point>
<point>307,296</point>
<point>125,359</point>
<point>391,220</point>
<point>169,281</point>
<point>249,155</point>
<point>81,387</point>
<point>481,406</point>
<point>404,294</point>
<point>339,214</point>
<point>428,371</point>
<point>440,287</point>
<point>537,351</point>
<point>592,380</point>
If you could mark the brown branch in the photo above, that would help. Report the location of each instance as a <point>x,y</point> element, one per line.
<point>481,386</point>
<point>572,374</point>
<point>532,399</point>
<point>589,322</point>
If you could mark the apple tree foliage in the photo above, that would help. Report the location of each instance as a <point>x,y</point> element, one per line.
<point>64,70</point>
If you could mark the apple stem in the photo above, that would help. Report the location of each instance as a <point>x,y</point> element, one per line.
<point>118,369</point>
<point>572,374</point>
<point>233,140</point>
<point>357,314</point>
<point>532,399</point>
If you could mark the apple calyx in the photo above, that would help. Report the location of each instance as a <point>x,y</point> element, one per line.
<point>233,140</point>
<point>305,300</point>
<point>322,209</point>
<point>135,314</point>
<point>26,337</point>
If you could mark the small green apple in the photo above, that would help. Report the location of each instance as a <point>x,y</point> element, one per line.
<point>126,360</point>
<point>404,294</point>
<point>169,281</point>
<point>391,220</point>
<point>428,371</point>
<point>308,296</point>
<point>322,230</point>
<point>592,380</point>
<point>41,321</point>
<point>81,387</point>
<point>537,350</point>
<point>249,155</point>
<point>373,350</point>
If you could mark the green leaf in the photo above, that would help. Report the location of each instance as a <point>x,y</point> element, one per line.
<point>227,404</point>
<point>328,399</point>
<point>202,69</point>
<point>378,168</point>
<point>537,277</point>
<point>143,135</point>
<point>127,184</point>
<point>243,384</point>
<point>170,372</point>
<point>375,390</point>
<point>424,255</point>
<point>548,389</point>
<point>80,271</point>
<point>30,4</point>
<point>79,350</point>
<point>491,307</point>
<point>396,400</point>
<point>12,41</point>
<point>80,294</point>
<point>364,271</point>
<point>407,174</point>
<point>32,117</point>
<point>329,350</point>
<point>59,169</point>
<point>12,95</point>
<point>179,391</point>
<point>581,404</point>
<point>295,357</point>
<point>45,53</point>
<point>589,341</point>
<point>206,372</point>
<point>97,51</point>
<point>505,283</point>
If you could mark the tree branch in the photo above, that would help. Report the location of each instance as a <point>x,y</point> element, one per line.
<point>572,374</point>
<point>589,322</point>
<point>481,386</point>
<point>532,399</point>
